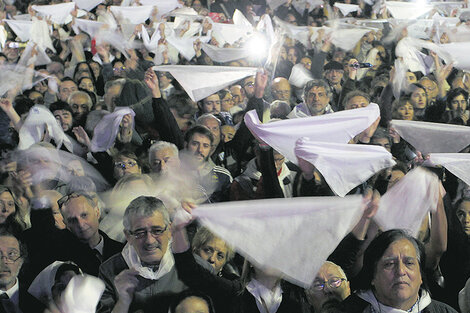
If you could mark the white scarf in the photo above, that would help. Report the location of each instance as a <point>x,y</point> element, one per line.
<point>133,261</point>
<point>267,301</point>
<point>423,301</point>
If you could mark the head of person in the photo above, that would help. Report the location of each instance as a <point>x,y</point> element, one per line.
<point>227,132</point>
<point>8,204</point>
<point>82,69</point>
<point>183,109</point>
<point>81,216</point>
<point>198,142</point>
<point>66,88</point>
<point>402,109</point>
<point>126,162</point>
<point>393,269</point>
<point>226,100</point>
<point>398,172</point>
<point>463,214</point>
<point>418,96</point>
<point>279,109</point>
<point>87,83</point>
<point>461,81</point>
<point>382,138</point>
<point>330,283</point>
<point>238,94</point>
<point>13,254</point>
<point>213,124</point>
<point>317,95</point>
<point>147,228</point>
<point>457,100</point>
<point>210,104</point>
<point>431,88</point>
<point>356,99</point>
<point>118,68</point>
<point>212,249</point>
<point>281,89</point>
<point>164,79</point>
<point>190,301</point>
<point>306,62</point>
<point>112,91</point>
<point>56,67</point>
<point>163,156</point>
<point>293,55</point>
<point>81,105</point>
<point>411,78</point>
<point>333,72</point>
<point>249,86</point>
<point>63,113</point>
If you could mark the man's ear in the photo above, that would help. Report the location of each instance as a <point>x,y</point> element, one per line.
<point>126,233</point>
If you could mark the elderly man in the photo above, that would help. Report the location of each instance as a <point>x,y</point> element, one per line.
<point>81,105</point>
<point>281,90</point>
<point>13,297</point>
<point>66,87</point>
<point>356,99</point>
<point>333,73</point>
<point>317,96</point>
<point>143,276</point>
<point>238,96</point>
<point>329,284</point>
<point>163,156</point>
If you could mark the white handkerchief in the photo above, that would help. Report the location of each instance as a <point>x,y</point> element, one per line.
<point>274,4</point>
<point>22,17</point>
<point>299,76</point>
<point>133,15</point>
<point>87,5</point>
<point>346,8</point>
<point>22,29</point>
<point>58,13</point>
<point>40,59</point>
<point>433,137</point>
<point>344,166</point>
<point>266,231</point>
<point>40,35</point>
<point>408,201</point>
<point>107,129</point>
<point>346,39</point>
<point>230,33</point>
<point>456,52</point>
<point>201,81</point>
<point>164,6</point>
<point>89,27</point>
<point>240,19</point>
<point>151,44</point>
<point>300,33</point>
<point>299,5</point>
<point>223,55</point>
<point>79,288</point>
<point>456,163</point>
<point>265,25</point>
<point>184,46</point>
<point>407,10</point>
<point>339,127</point>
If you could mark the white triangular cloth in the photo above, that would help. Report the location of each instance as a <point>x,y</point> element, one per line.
<point>87,5</point>
<point>274,4</point>
<point>409,200</point>
<point>456,163</point>
<point>201,81</point>
<point>299,76</point>
<point>107,129</point>
<point>433,137</point>
<point>151,44</point>
<point>163,6</point>
<point>223,55</point>
<point>134,15</point>
<point>346,8</point>
<point>230,33</point>
<point>89,27</point>
<point>240,19</point>
<point>339,127</point>
<point>82,287</point>
<point>344,166</point>
<point>346,39</point>
<point>58,13</point>
<point>407,10</point>
<point>22,29</point>
<point>40,35</point>
<point>266,231</point>
<point>300,33</point>
<point>185,45</point>
<point>299,5</point>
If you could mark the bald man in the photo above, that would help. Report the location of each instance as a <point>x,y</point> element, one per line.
<point>281,90</point>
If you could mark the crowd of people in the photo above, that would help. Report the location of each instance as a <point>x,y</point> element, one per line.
<point>119,117</point>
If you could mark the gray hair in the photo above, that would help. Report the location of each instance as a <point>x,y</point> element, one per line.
<point>201,119</point>
<point>74,94</point>
<point>317,83</point>
<point>111,83</point>
<point>355,93</point>
<point>145,206</point>
<point>279,109</point>
<point>159,145</point>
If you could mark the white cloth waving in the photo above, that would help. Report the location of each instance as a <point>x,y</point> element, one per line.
<point>456,163</point>
<point>107,129</point>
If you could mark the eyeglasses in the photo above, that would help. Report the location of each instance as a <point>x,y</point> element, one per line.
<point>156,232</point>
<point>332,283</point>
<point>249,84</point>
<point>12,256</point>
<point>125,165</point>
<point>73,195</point>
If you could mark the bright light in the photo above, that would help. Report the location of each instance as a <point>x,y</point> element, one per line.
<point>258,46</point>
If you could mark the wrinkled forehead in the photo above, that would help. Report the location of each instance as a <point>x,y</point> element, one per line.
<point>329,270</point>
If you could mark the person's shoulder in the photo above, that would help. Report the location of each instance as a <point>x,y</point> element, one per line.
<point>114,265</point>
<point>353,304</point>
<point>439,307</point>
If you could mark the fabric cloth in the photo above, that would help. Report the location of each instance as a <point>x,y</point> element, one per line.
<point>87,5</point>
<point>229,33</point>
<point>223,55</point>
<point>433,137</point>
<point>201,81</point>
<point>185,45</point>
<point>338,127</point>
<point>346,8</point>
<point>134,15</point>
<point>106,131</point>
<point>89,27</point>
<point>82,294</point>
<point>299,76</point>
<point>456,163</point>
<point>267,301</point>
<point>58,13</point>
<point>22,29</point>
<point>41,286</point>
<point>423,301</point>
<point>409,200</point>
<point>262,231</point>
<point>407,10</point>
<point>163,6</point>
<point>344,166</point>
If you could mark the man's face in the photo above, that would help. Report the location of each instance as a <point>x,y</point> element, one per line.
<point>192,305</point>
<point>307,63</point>
<point>418,98</point>
<point>397,277</point>
<point>79,107</point>
<point>237,94</point>
<point>64,118</point>
<point>317,100</point>
<point>292,56</point>
<point>328,272</point>
<point>124,165</point>
<point>458,104</point>
<point>66,88</point>
<point>200,146</point>
<point>211,104</point>
<point>227,103</point>
<point>334,76</point>
<point>214,252</point>
<point>282,90</point>
<point>7,206</point>
<point>356,102</point>
<point>383,142</point>
<point>110,97</point>
<point>406,112</point>
<point>431,88</point>
<point>228,132</point>
<point>214,127</point>
<point>150,248</point>
<point>9,246</point>
<point>279,159</point>
<point>249,86</point>
<point>162,160</point>
<point>463,214</point>
<point>184,122</point>
<point>411,77</point>
<point>81,218</point>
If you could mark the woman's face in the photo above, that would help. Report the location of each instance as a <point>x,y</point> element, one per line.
<point>124,166</point>
<point>215,252</point>
<point>463,214</point>
<point>418,98</point>
<point>283,53</point>
<point>7,206</point>
<point>87,84</point>
<point>227,102</point>
<point>406,112</point>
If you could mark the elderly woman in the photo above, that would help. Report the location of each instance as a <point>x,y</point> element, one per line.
<point>392,278</point>
<point>402,109</point>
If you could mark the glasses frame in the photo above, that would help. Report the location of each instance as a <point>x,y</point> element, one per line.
<point>331,283</point>
<point>141,234</point>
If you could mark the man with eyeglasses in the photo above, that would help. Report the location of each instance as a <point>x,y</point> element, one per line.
<point>329,284</point>
<point>317,96</point>
<point>143,276</point>
<point>13,295</point>
<point>281,90</point>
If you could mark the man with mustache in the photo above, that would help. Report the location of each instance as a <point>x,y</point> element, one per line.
<point>143,276</point>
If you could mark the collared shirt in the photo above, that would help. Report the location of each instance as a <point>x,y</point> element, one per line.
<point>100,246</point>
<point>13,294</point>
